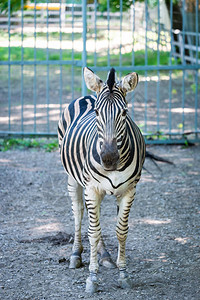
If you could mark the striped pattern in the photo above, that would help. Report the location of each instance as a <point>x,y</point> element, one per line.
<point>79,138</point>
<point>84,127</point>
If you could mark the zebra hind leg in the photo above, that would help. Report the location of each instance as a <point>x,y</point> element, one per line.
<point>105,259</point>
<point>75,192</point>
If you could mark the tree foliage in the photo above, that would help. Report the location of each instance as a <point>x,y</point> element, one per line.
<point>14,5</point>
<point>126,4</point>
<point>114,5</point>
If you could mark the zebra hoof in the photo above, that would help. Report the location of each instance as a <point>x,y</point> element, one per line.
<point>107,263</point>
<point>125,281</point>
<point>91,285</point>
<point>75,262</point>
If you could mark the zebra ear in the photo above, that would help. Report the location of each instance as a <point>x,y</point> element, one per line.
<point>93,82</point>
<point>129,82</point>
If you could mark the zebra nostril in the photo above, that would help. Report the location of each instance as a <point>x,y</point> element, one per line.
<point>109,159</point>
<point>109,154</point>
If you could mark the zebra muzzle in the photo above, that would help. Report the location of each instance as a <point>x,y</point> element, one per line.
<point>109,155</point>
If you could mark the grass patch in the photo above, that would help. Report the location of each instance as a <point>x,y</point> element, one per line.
<point>139,58</point>
<point>41,54</point>
<point>48,145</point>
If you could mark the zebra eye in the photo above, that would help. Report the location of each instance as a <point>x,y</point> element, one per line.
<point>124,113</point>
<point>97,113</point>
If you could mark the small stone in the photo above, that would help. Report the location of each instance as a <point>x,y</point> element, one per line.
<point>62,260</point>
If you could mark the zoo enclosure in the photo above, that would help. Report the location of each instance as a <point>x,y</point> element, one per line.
<point>44,47</point>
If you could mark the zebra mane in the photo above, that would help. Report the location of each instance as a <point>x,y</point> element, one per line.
<point>111,79</point>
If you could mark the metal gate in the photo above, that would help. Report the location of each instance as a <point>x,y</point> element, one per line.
<point>45,45</point>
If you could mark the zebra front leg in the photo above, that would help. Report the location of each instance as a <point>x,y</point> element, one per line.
<point>75,192</point>
<point>122,230</point>
<point>93,201</point>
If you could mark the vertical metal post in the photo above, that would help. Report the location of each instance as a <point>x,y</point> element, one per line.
<point>22,66</point>
<point>47,58</point>
<point>170,72</point>
<point>183,77</point>
<point>34,81</point>
<point>158,72</point>
<point>120,47</point>
<point>84,36</point>
<point>72,76</point>
<point>108,29</point>
<point>146,63</point>
<point>95,33</point>
<point>133,54</point>
<point>133,32</point>
<point>9,91</point>
<point>196,72</point>
<point>61,22</point>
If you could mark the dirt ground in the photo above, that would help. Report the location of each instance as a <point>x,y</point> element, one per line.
<point>36,230</point>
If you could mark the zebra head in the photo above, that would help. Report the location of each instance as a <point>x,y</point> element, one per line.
<point>111,113</point>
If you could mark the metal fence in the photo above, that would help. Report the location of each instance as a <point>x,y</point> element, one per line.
<point>44,47</point>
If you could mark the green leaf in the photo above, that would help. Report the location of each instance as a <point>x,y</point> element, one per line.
<point>174,91</point>
<point>180,125</point>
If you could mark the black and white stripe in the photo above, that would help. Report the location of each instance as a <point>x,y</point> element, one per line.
<point>103,151</point>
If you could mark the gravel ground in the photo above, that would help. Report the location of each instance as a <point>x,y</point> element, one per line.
<point>36,230</point>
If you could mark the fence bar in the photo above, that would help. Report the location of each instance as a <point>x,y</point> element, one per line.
<point>108,32</point>
<point>158,72</point>
<point>177,141</point>
<point>35,72</point>
<point>84,36</point>
<point>148,68</point>
<point>196,73</point>
<point>72,68</point>
<point>133,54</point>
<point>78,63</point>
<point>95,33</point>
<point>22,66</point>
<point>9,87</point>
<point>184,62</point>
<point>120,47</point>
<point>146,63</point>
<point>133,32</point>
<point>196,102</point>
<point>172,141</point>
<point>47,56</point>
<point>60,52</point>
<point>170,71</point>
<point>32,133</point>
<point>197,28</point>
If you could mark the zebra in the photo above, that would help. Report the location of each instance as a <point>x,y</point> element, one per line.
<point>103,152</point>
